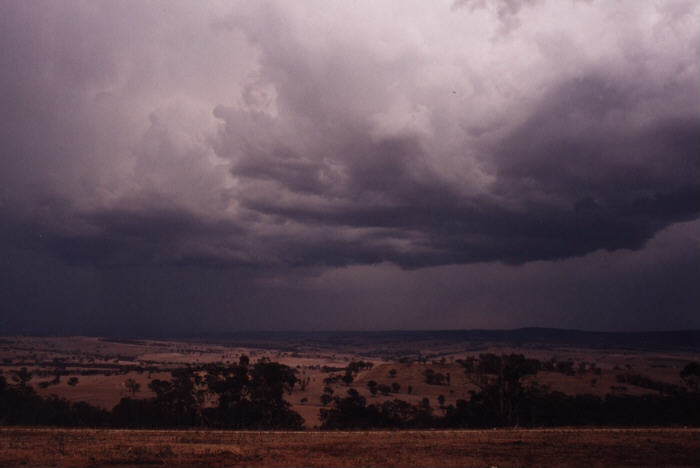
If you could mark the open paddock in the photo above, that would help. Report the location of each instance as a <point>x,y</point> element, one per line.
<point>561,447</point>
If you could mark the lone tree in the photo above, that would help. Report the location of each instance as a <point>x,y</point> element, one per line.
<point>347,378</point>
<point>372,386</point>
<point>132,386</point>
<point>691,375</point>
<point>434,378</point>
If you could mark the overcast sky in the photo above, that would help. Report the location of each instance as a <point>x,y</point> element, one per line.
<point>210,166</point>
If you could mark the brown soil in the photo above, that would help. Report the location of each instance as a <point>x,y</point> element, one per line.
<point>674,447</point>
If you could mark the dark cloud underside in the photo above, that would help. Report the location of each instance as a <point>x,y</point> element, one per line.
<point>268,147</point>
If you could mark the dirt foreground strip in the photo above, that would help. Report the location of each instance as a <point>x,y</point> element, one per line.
<point>566,447</point>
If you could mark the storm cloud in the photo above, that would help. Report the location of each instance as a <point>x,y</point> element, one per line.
<point>269,146</point>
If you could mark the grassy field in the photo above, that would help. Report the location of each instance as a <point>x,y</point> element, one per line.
<point>575,447</point>
<point>112,362</point>
<point>103,365</point>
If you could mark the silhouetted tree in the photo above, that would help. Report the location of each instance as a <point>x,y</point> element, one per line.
<point>20,404</point>
<point>691,375</point>
<point>252,396</point>
<point>22,376</point>
<point>132,386</point>
<point>347,378</point>
<point>348,412</point>
<point>499,378</point>
<point>434,378</point>
<point>372,386</point>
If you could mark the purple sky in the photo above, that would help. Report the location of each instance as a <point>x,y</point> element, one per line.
<point>208,166</point>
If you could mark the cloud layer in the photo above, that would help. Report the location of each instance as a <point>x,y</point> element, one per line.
<point>275,140</point>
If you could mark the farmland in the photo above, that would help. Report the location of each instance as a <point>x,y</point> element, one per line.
<point>101,366</point>
<point>423,371</point>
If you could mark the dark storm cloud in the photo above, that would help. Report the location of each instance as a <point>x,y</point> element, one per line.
<point>576,176</point>
<point>273,141</point>
<point>152,236</point>
<point>319,182</point>
<point>583,141</point>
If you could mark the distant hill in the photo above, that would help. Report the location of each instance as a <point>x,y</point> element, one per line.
<point>688,340</point>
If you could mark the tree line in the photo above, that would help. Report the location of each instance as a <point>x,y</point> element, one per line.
<point>504,399</point>
<point>251,396</point>
<point>237,396</point>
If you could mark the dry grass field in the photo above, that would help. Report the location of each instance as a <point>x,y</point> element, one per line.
<point>503,448</point>
<point>103,365</point>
